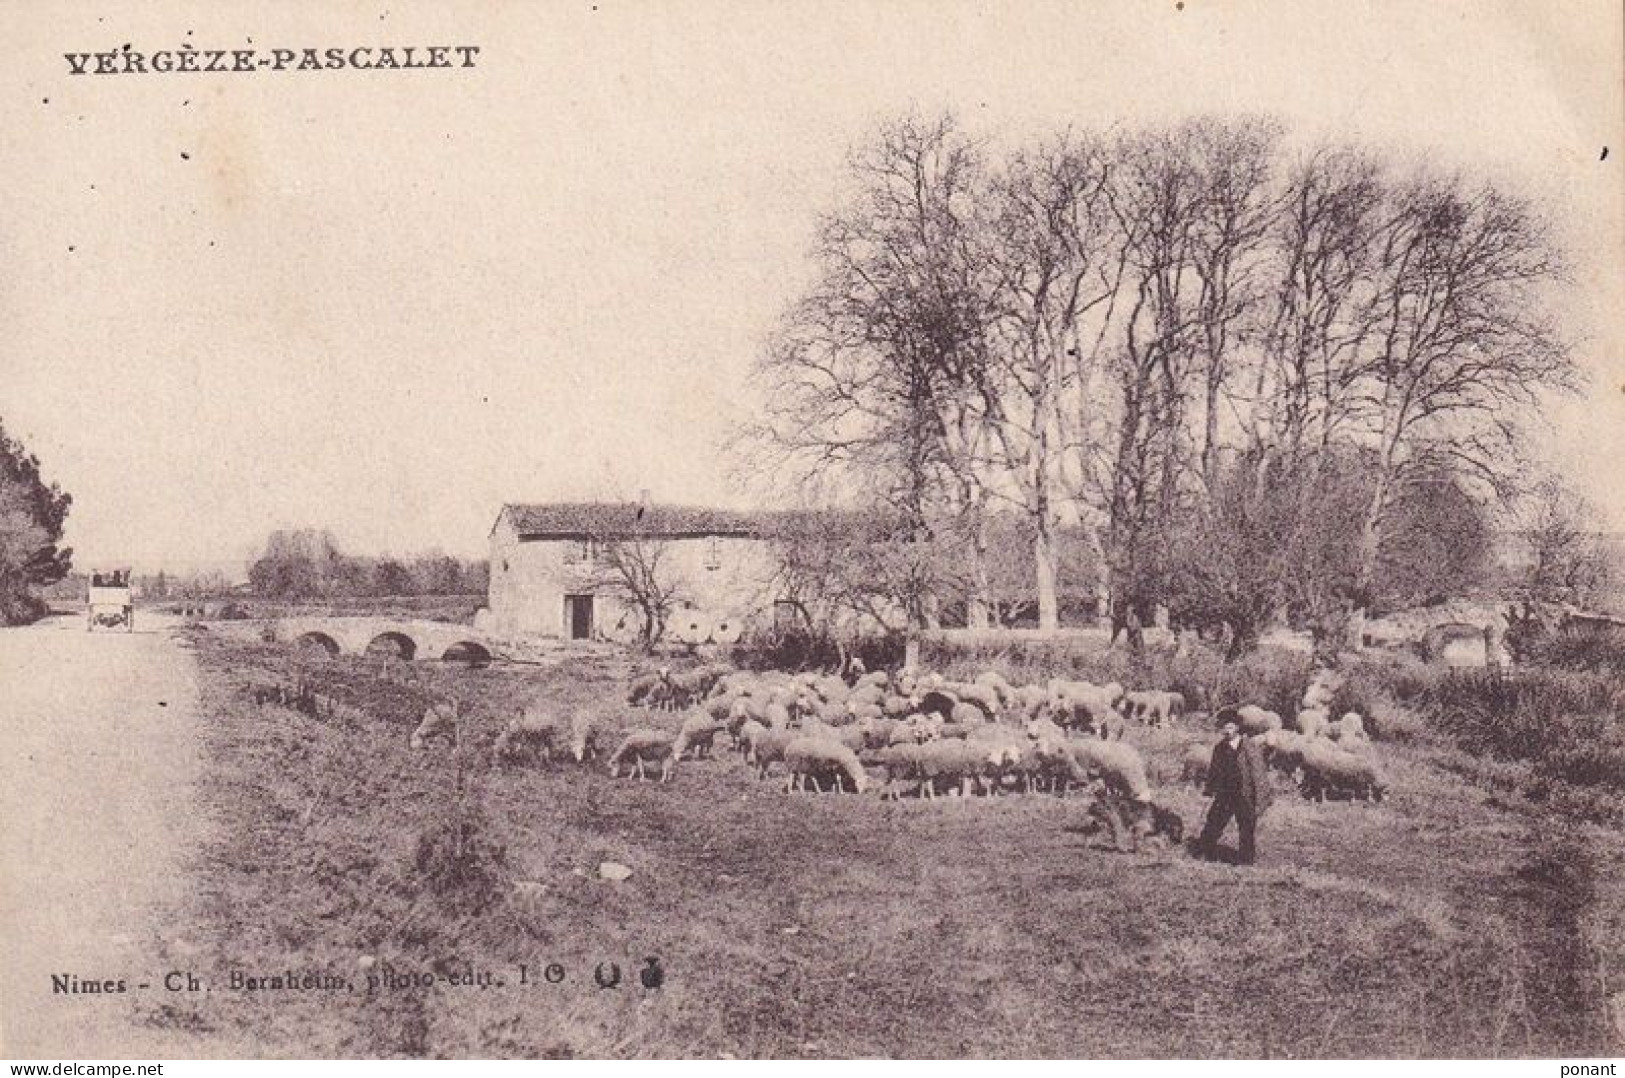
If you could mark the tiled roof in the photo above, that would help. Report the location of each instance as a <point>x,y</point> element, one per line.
<point>565,520</point>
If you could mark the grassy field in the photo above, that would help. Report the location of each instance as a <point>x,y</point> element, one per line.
<point>1453,919</point>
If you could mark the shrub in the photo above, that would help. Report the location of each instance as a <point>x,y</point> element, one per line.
<point>1570,726</point>
<point>1586,650</point>
<point>454,860</point>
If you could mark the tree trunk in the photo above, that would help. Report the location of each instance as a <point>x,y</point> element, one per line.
<point>1049,609</point>
<point>976,609</point>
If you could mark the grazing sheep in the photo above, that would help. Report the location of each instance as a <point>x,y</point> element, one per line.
<point>876,732</point>
<point>896,707</point>
<point>1312,721</point>
<point>745,737</point>
<point>533,730</point>
<point>1033,700</point>
<point>642,688</point>
<point>1044,730</point>
<point>878,678</point>
<point>1256,720</point>
<point>438,722</point>
<point>996,681</point>
<point>1284,749</point>
<point>698,732</point>
<point>766,747</point>
<point>979,696</point>
<point>813,759</point>
<point>1119,765</point>
<point>971,713</point>
<point>643,748</point>
<point>1084,705</point>
<point>1328,769</point>
<point>951,766</point>
<point>584,738</point>
<point>1349,729</point>
<point>1153,707</point>
<point>685,689</point>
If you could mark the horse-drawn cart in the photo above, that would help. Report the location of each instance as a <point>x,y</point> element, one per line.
<point>110,601</point>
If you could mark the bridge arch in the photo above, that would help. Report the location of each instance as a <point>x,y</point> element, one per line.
<point>468,651</point>
<point>315,641</point>
<point>392,645</point>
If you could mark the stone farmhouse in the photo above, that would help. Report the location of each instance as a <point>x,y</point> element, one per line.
<point>556,570</point>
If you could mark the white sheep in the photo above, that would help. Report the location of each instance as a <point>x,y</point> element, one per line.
<point>643,748</point>
<point>1328,769</point>
<point>1284,749</point>
<point>698,732</point>
<point>1318,694</point>
<point>1257,720</point>
<point>1154,707</point>
<point>1119,765</point>
<point>584,738</point>
<point>1084,705</point>
<point>535,730</point>
<point>1350,729</point>
<point>766,745</point>
<point>813,759</point>
<point>1312,721</point>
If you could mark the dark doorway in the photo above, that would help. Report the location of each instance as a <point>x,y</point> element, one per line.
<point>578,616</point>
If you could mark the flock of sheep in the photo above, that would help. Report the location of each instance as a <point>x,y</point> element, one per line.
<point>920,734</point>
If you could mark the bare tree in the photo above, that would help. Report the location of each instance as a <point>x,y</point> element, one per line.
<point>633,567</point>
<point>1058,267</point>
<point>867,376</point>
<point>1123,331</point>
<point>1460,345</point>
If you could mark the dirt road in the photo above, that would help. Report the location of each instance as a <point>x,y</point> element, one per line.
<point>95,816</point>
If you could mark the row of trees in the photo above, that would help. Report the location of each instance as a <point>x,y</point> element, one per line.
<point>307,564</point>
<point>1252,380</point>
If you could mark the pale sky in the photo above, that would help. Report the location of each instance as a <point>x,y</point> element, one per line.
<point>387,302</point>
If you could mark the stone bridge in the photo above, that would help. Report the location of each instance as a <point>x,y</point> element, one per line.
<point>405,638</point>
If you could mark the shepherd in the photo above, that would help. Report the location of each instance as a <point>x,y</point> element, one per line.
<point>1239,784</point>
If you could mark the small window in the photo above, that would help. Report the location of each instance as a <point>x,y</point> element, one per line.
<point>713,553</point>
<point>578,551</point>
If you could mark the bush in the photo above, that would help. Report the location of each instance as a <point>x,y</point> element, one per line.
<point>1587,650</point>
<point>1387,692</point>
<point>1569,725</point>
<point>456,863</point>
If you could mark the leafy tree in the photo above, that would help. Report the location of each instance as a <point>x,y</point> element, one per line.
<point>297,564</point>
<point>390,577</point>
<point>32,514</point>
<point>1571,562</point>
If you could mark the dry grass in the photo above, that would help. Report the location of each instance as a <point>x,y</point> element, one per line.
<point>1439,923</point>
